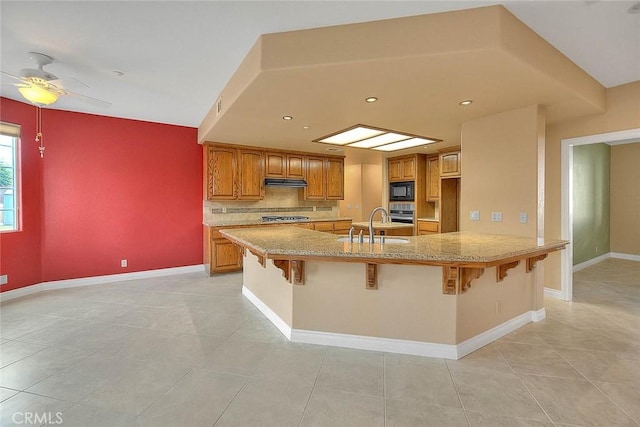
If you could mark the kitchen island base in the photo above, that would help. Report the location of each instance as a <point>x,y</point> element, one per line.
<point>407,313</point>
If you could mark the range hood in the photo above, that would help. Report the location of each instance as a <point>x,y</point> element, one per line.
<point>284,182</point>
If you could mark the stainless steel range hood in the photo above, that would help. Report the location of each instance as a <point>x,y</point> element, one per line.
<point>283,182</point>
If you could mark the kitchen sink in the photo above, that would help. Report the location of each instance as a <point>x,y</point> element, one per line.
<point>376,239</point>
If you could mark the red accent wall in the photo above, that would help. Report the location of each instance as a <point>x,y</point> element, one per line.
<point>20,252</point>
<point>114,189</point>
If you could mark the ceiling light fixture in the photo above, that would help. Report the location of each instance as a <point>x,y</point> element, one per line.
<point>38,95</point>
<point>287,117</point>
<point>465,102</point>
<point>371,99</point>
<point>361,136</point>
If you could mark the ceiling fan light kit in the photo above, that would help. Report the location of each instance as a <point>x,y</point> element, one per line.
<point>38,95</point>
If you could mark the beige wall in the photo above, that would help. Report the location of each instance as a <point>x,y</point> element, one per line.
<point>362,189</point>
<point>623,112</point>
<point>625,199</point>
<point>268,285</point>
<point>500,171</point>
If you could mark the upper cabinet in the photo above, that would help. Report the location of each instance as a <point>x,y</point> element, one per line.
<point>450,163</point>
<point>433,178</point>
<point>284,165</point>
<point>238,172</point>
<point>233,173</point>
<point>402,169</point>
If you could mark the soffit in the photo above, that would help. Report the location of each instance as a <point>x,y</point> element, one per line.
<point>419,67</point>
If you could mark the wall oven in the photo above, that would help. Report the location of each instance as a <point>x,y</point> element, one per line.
<point>402,191</point>
<point>402,212</point>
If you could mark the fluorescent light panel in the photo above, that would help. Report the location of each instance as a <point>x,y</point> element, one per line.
<point>361,136</point>
<point>385,138</point>
<point>407,143</point>
<point>352,135</point>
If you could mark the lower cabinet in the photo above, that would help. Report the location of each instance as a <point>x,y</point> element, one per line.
<point>225,256</point>
<point>428,227</point>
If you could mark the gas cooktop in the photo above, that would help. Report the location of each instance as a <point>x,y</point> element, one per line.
<point>273,218</point>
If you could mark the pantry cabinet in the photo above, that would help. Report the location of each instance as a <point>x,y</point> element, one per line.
<point>433,178</point>
<point>450,164</point>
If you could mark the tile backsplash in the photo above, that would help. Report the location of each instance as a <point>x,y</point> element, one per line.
<point>277,200</point>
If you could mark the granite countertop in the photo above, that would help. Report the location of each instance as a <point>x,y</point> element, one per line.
<point>458,247</point>
<point>258,221</point>
<point>379,225</point>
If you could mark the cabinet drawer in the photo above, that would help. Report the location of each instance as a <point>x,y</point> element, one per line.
<point>428,226</point>
<point>323,226</point>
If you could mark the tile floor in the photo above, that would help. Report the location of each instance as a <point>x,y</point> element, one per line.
<point>191,351</point>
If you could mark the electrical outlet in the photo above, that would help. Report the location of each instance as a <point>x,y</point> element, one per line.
<point>4,279</point>
<point>123,263</point>
<point>496,216</point>
<point>523,218</point>
<point>474,216</point>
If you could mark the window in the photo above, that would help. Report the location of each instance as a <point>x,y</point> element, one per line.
<point>9,177</point>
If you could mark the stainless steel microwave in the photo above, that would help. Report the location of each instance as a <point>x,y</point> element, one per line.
<point>402,191</point>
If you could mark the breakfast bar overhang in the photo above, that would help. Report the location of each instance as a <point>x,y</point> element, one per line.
<point>442,295</point>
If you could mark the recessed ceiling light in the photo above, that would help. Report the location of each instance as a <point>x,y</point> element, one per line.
<point>287,117</point>
<point>371,99</point>
<point>334,149</point>
<point>465,102</point>
<point>635,8</point>
<point>306,127</point>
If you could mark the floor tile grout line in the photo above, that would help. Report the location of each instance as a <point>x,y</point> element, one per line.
<point>166,392</point>
<point>534,398</point>
<point>614,402</point>
<point>244,384</point>
<point>455,387</point>
<point>306,405</point>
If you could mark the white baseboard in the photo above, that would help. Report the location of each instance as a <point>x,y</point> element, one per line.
<point>553,293</point>
<point>270,314</point>
<point>630,257</point>
<point>391,345</point>
<point>590,262</point>
<point>96,280</point>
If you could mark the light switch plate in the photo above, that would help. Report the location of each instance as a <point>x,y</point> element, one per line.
<point>4,279</point>
<point>474,216</point>
<point>496,216</point>
<point>523,218</point>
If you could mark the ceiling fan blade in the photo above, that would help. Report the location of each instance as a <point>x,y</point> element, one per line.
<point>87,99</point>
<point>11,76</point>
<point>69,83</point>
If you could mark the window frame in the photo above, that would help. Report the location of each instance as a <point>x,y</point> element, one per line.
<point>13,131</point>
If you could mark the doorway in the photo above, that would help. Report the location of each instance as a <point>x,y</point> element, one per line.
<point>611,138</point>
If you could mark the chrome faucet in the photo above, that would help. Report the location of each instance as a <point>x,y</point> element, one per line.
<point>351,230</point>
<point>385,215</point>
<point>360,237</point>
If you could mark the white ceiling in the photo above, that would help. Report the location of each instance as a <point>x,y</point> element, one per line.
<point>177,56</point>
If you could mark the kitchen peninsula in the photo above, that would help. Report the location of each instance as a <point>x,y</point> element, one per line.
<point>442,295</point>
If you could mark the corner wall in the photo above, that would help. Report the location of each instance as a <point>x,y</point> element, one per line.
<point>625,198</point>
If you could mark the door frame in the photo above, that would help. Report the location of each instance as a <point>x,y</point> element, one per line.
<point>566,217</point>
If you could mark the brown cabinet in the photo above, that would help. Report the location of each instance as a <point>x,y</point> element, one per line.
<point>233,173</point>
<point>433,178</point>
<point>284,165</point>
<point>402,168</point>
<point>427,227</point>
<point>450,164</point>
<point>316,179</point>
<point>335,178</point>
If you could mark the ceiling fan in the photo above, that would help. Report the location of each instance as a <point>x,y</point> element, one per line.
<point>41,87</point>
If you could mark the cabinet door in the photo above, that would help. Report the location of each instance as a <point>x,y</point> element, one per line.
<point>225,256</point>
<point>433,179</point>
<point>221,173</point>
<point>408,169</point>
<point>335,179</point>
<point>450,164</point>
<point>427,227</point>
<point>323,226</point>
<point>295,166</point>
<point>395,170</point>
<point>316,179</point>
<point>275,165</point>
<point>341,227</point>
<point>250,175</point>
